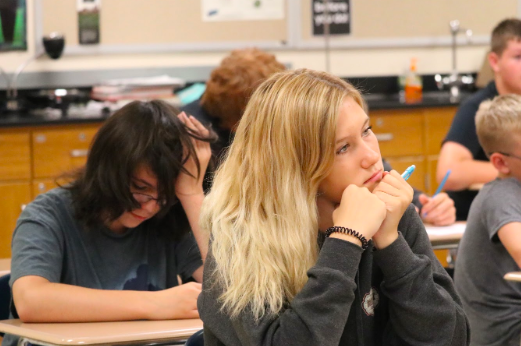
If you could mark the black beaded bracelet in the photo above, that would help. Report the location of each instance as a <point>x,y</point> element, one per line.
<point>348,231</point>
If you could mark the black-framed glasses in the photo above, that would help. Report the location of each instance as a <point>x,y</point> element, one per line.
<point>509,155</point>
<point>143,198</point>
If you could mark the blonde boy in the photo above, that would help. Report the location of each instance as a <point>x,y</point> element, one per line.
<point>491,245</point>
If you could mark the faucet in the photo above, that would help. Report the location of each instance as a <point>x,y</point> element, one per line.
<point>454,81</point>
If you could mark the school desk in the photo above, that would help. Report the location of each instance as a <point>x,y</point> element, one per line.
<point>446,237</point>
<point>5,266</point>
<point>513,276</point>
<point>173,332</point>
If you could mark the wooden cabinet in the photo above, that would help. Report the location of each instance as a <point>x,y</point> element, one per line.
<point>413,136</point>
<point>31,158</point>
<point>58,150</point>
<point>15,159</point>
<point>399,133</point>
<point>15,174</point>
<point>13,197</point>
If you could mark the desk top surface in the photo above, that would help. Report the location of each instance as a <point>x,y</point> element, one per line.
<point>103,333</point>
<point>447,234</point>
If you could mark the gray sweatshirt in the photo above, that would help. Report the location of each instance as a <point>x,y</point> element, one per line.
<point>399,295</point>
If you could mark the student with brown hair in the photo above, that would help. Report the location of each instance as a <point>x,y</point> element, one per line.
<point>461,151</point>
<point>111,245</point>
<point>229,89</point>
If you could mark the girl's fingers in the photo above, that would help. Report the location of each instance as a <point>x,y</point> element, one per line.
<point>200,127</point>
<point>387,188</point>
<point>182,116</point>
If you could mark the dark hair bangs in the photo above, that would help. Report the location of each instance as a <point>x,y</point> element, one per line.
<point>139,133</point>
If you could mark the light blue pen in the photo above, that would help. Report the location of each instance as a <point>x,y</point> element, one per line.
<point>408,172</point>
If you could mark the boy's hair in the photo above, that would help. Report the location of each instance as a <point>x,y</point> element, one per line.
<point>139,133</point>
<point>232,83</point>
<point>506,30</point>
<point>497,122</point>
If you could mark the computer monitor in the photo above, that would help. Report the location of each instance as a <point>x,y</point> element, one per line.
<point>13,28</point>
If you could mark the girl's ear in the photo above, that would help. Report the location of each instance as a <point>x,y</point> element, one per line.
<point>498,160</point>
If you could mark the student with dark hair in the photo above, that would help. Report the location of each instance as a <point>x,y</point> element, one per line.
<point>111,245</point>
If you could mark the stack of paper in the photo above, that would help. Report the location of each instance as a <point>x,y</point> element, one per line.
<point>137,88</point>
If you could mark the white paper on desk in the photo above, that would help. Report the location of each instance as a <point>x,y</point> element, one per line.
<point>457,228</point>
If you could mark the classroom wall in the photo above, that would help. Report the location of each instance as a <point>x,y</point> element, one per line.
<point>344,62</point>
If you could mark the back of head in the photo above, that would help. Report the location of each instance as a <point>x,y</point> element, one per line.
<point>506,30</point>
<point>233,81</point>
<point>498,123</point>
<point>263,200</point>
<point>140,133</point>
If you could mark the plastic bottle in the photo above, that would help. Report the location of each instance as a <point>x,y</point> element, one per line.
<point>413,84</point>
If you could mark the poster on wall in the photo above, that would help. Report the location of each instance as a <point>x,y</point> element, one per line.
<point>337,13</point>
<point>88,21</point>
<point>13,28</point>
<point>234,10</point>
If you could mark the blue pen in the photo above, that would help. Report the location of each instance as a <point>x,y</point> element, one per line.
<point>408,172</point>
<point>440,187</point>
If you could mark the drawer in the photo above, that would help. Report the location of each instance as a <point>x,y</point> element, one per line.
<point>56,151</point>
<point>399,132</point>
<point>15,155</point>
<point>437,124</point>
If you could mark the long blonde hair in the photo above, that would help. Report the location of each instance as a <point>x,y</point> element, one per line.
<point>262,211</point>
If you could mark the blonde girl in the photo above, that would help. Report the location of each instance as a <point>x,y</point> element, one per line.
<point>312,242</point>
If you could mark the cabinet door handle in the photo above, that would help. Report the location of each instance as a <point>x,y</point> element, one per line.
<point>384,137</point>
<point>79,153</point>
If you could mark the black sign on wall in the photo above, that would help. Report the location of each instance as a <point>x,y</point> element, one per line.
<point>335,12</point>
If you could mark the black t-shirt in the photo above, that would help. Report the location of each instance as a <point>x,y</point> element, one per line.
<point>463,131</point>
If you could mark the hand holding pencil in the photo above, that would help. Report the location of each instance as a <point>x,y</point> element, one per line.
<point>439,209</point>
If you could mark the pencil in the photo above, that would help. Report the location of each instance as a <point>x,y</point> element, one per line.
<point>440,187</point>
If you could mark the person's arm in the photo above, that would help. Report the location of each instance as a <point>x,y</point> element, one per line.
<point>188,189</point>
<point>465,171</point>
<point>510,237</point>
<point>423,304</point>
<point>192,207</point>
<point>38,250</point>
<point>38,300</point>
